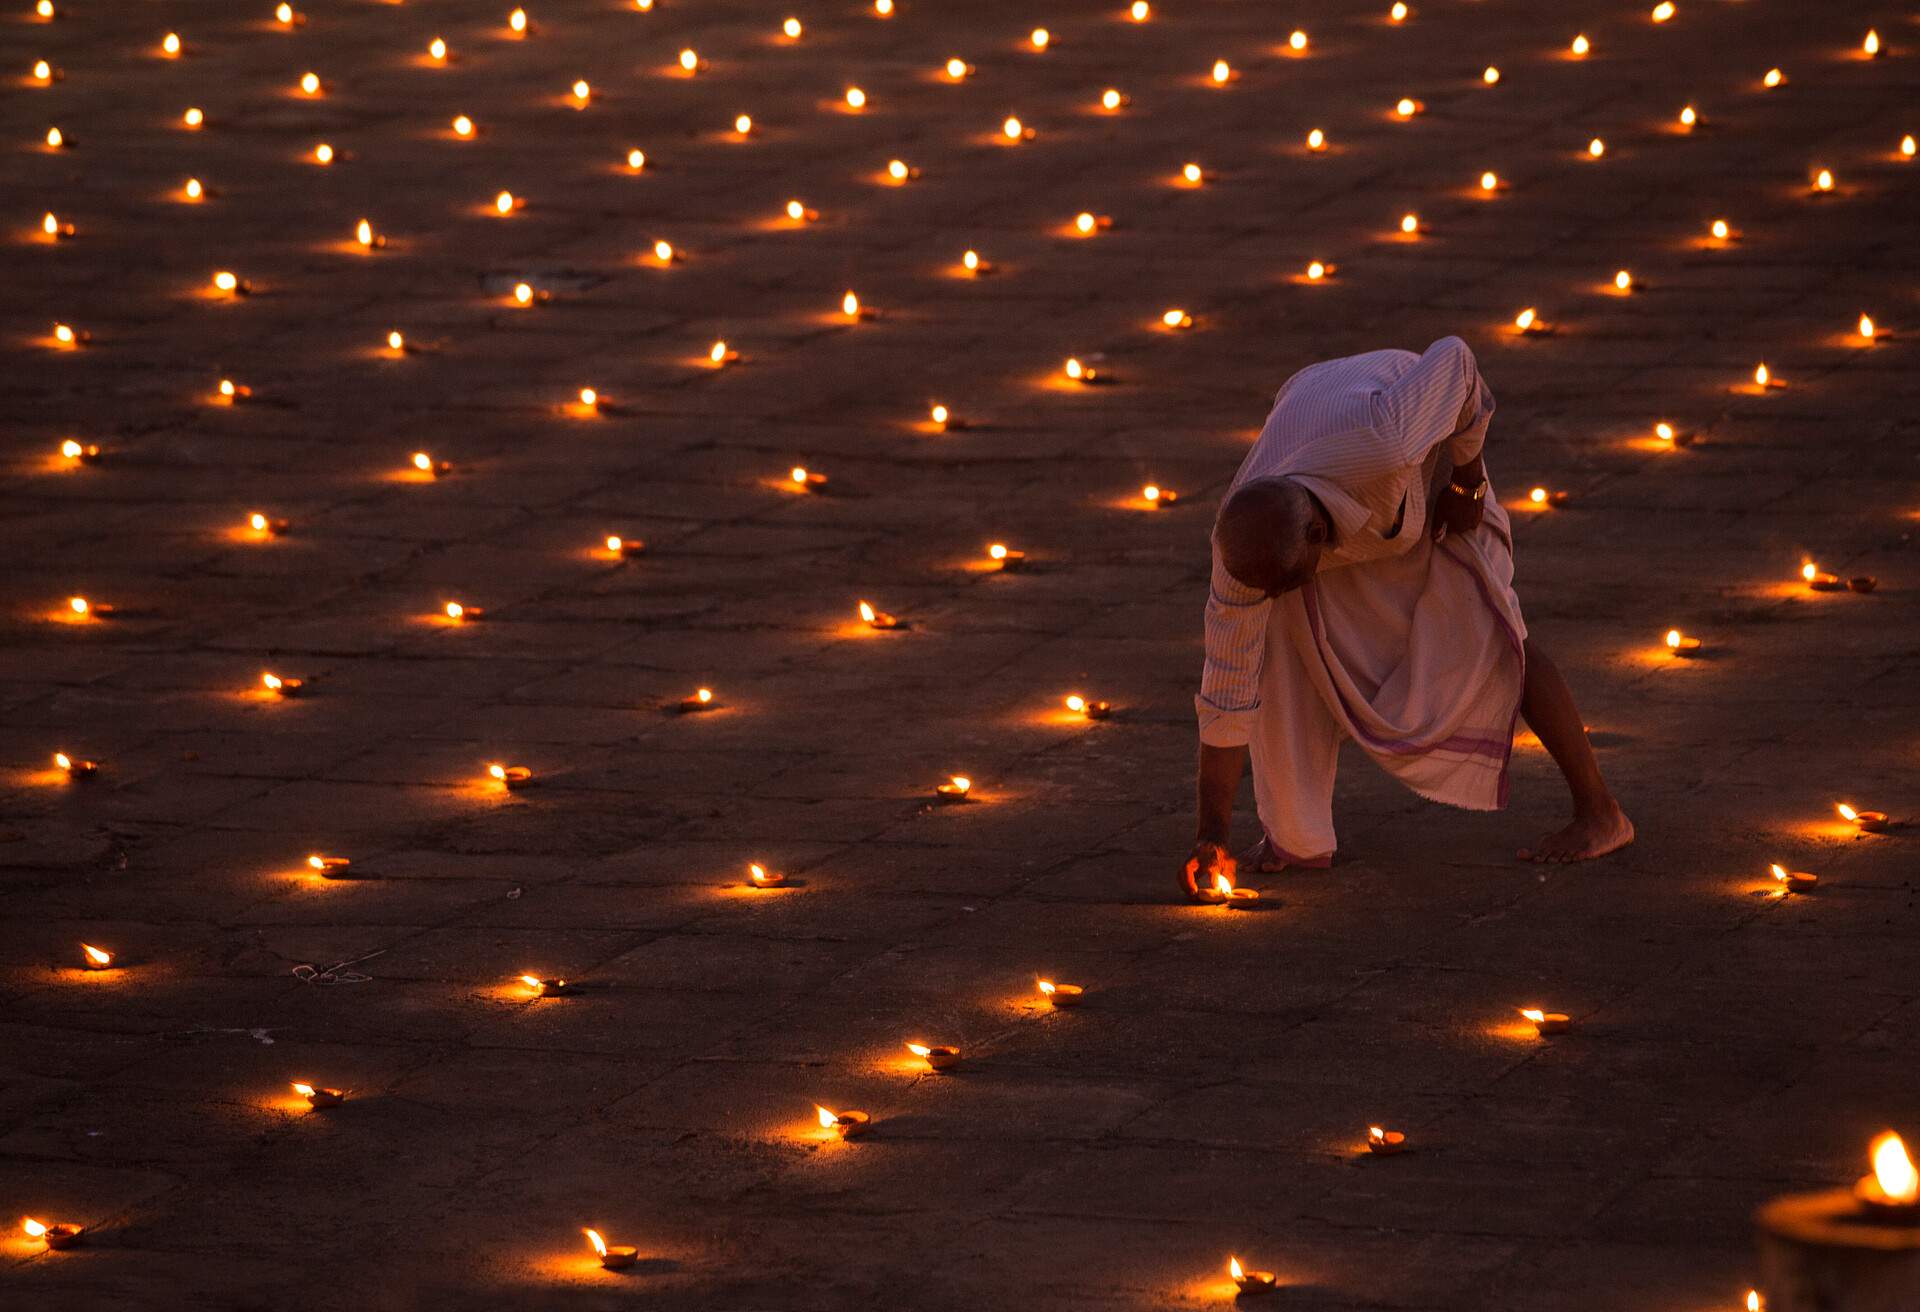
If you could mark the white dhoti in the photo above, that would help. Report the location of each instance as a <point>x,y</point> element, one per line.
<point>1411,648</point>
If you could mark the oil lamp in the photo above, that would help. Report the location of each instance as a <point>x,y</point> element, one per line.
<point>1596,148</point>
<point>1297,41</point>
<point>1623,281</point>
<point>523,294</point>
<point>1580,46</point>
<point>1384,1142</point>
<point>975,266</point>
<point>1547,1022</point>
<point>1847,1247</point>
<point>86,609</point>
<point>273,683</point>
<point>1222,72</point>
<point>93,958</point>
<point>1009,560</point>
<point>1015,131</point>
<point>1061,995</point>
<point>88,454</point>
<point>75,767</point>
<point>943,418</point>
<point>879,619</point>
<point>1093,710</point>
<point>1865,328</point>
<point>517,22</point>
<point>504,203</point>
<point>1773,79</point>
<point>260,523</point>
<point>582,92</point>
<point>323,153</point>
<point>170,45</point>
<point>1823,181</point>
<point>938,1056</point>
<point>721,354</point>
<point>850,306</point>
<point>620,546</point>
<point>1140,11</point>
<point>1894,1186</point>
<point>1681,645</point>
<point>1819,580</point>
<point>309,84</point>
<point>462,127</point>
<point>1318,270</point>
<point>59,1235</point>
<point>1721,230</point>
<point>1867,822</point>
<point>758,876</point>
<point>548,988</point>
<point>51,225</point>
<point>318,1096</point>
<point>1663,11</point>
<point>1541,496</point>
<point>1155,495</point>
<point>1763,377</point>
<point>1490,75</point>
<point>1410,224</point>
<point>1086,223</point>
<point>1316,140</point>
<point>958,788</point>
<point>233,393</point>
<point>636,159</point>
<point>1111,100</point>
<point>56,140</point>
<point>898,170</point>
<point>230,284</point>
<point>329,867</point>
<point>1250,1282</point>
<point>1192,174</point>
<point>1040,38</point>
<point>663,252</point>
<point>397,342</point>
<point>799,213</point>
<point>1793,881</point>
<point>848,1125</point>
<point>957,69</point>
<point>1407,107</point>
<point>511,776</point>
<point>366,237</point>
<point>1870,45</point>
<point>437,50</point>
<point>803,479</point>
<point>1529,321</point>
<point>43,72</point>
<point>1177,318</point>
<point>690,61</point>
<point>1689,117</point>
<point>617,1257</point>
<point>426,464</point>
<point>1078,371</point>
<point>458,613</point>
<point>792,29</point>
<point>1223,892</point>
<point>742,125</point>
<point>1666,432</point>
<point>856,98</point>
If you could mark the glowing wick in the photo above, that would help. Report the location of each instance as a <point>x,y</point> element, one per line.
<point>1596,148</point>
<point>1894,1181</point>
<point>1040,38</point>
<point>636,159</point>
<point>1222,72</point>
<point>1823,180</point>
<point>1316,140</point>
<point>850,305</point>
<point>310,84</point>
<point>437,50</point>
<point>94,958</point>
<point>504,203</point>
<point>1580,46</point>
<point>743,124</point>
<point>1410,224</point>
<point>1490,75</point>
<point>856,98</point>
<point>323,154</point>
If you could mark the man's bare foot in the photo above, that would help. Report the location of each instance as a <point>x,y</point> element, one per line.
<point>1261,857</point>
<point>1587,837</point>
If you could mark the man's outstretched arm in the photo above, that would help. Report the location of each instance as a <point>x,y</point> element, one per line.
<point>1216,781</point>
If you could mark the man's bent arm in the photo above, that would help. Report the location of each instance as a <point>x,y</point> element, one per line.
<point>1217,780</point>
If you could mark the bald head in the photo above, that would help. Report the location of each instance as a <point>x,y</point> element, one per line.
<point>1270,533</point>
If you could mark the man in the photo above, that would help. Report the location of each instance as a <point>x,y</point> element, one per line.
<point>1363,588</point>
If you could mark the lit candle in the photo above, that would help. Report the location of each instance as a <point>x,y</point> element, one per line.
<point>803,479</point>
<point>1297,41</point>
<point>1061,995</point>
<point>1908,146</point>
<point>1721,230</point>
<point>663,252</point>
<point>75,767</point>
<point>1397,14</point>
<point>1689,117</point>
<point>1540,496</point>
<point>1384,1142</point>
<point>856,98</point>
<point>86,454</point>
<point>426,464</point>
<point>1865,328</point>
<point>284,14</point>
<point>229,284</point>
<point>1773,78</point>
<point>547,988</point>
<point>504,203</point>
<point>1596,148</point>
<point>510,776</point>
<point>974,265</point>
<point>1407,107</point>
<point>1894,1185</point>
<point>1867,822</point>
<point>957,69</point>
<point>56,140</point>
<point>1870,45</point>
<point>1489,182</point>
<point>1177,318</point>
<point>619,546</point>
<point>1819,580</point>
<point>850,306</point>
<point>1529,321</point>
<point>233,393</point>
<point>1318,270</point>
<point>720,354</point>
<point>1410,224</point>
<point>1009,560</point>
<point>43,72</point>
<point>617,1257</point>
<point>1093,710</point>
<point>1155,495</point>
<point>366,237</point>
<point>1681,645</point>
<point>93,958</point>
<point>459,613</point>
<point>170,45</point>
<point>848,1125</point>
<point>273,683</point>
<point>943,418</point>
<point>437,50</point>
<point>517,22</point>
<point>59,1235</point>
<point>1222,72</point>
<point>310,84</point>
<point>1040,38</point>
<point>1763,377</point>
<point>1250,1282</point>
<point>938,1056</point>
<point>43,9</point>
<point>1111,100</point>
<point>1580,46</point>
<point>1078,371</point>
<point>883,8</point>
<point>1140,11</point>
<point>792,29</point>
<point>758,876</point>
<point>86,609</point>
<point>689,61</point>
<point>636,159</point>
<point>1663,11</point>
<point>523,294</point>
<point>957,788</point>
<point>1623,281</point>
<point>323,153</point>
<point>318,1096</point>
<point>1490,75</point>
<point>1823,181</point>
<point>261,524</point>
<point>1666,432</point>
<point>898,171</point>
<point>879,619</point>
<point>329,867</point>
<point>1015,131</point>
<point>1547,1022</point>
<point>582,92</point>
<point>742,125</point>
<point>1192,174</point>
<point>1793,881</point>
<point>1316,140</point>
<point>1086,223</point>
<point>397,342</point>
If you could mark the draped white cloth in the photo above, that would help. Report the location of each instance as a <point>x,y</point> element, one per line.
<point>1412,649</point>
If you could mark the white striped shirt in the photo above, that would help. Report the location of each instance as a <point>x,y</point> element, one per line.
<point>1359,434</point>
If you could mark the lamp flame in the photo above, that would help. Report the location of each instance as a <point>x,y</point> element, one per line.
<point>304,1090</point>
<point>827,1118</point>
<point>599,1244</point>
<point>1753,1300</point>
<point>1533,1014</point>
<point>1046,987</point>
<point>1235,1270</point>
<point>866,612</point>
<point>919,1049</point>
<point>98,956</point>
<point>1893,1169</point>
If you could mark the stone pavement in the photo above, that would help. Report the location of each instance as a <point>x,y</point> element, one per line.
<point>1212,1095</point>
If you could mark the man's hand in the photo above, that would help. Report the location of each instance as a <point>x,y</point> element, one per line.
<point>1205,861</point>
<point>1455,513</point>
